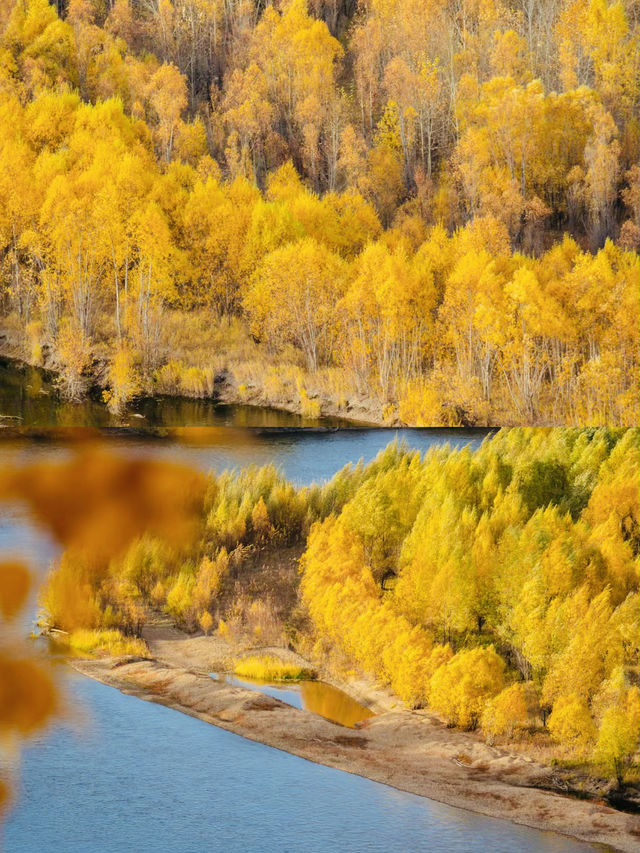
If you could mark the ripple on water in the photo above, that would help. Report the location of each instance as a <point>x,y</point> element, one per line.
<point>140,777</point>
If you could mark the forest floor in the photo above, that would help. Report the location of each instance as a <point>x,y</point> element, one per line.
<point>413,751</point>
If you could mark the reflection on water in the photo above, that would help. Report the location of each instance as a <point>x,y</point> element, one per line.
<point>148,779</point>
<point>28,397</point>
<point>316,696</point>
<point>332,703</point>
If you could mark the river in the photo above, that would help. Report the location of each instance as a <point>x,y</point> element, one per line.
<point>134,776</point>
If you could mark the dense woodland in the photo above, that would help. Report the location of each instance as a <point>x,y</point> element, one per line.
<point>431,203</point>
<point>498,588</point>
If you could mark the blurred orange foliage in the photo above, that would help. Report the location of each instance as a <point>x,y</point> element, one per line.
<point>95,504</point>
<point>28,696</point>
<point>98,503</point>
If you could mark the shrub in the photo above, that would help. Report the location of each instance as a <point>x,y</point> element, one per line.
<point>113,642</point>
<point>180,599</point>
<point>260,522</point>
<point>209,578</point>
<point>506,712</point>
<point>123,380</point>
<point>144,564</point>
<point>270,668</point>
<point>309,408</point>
<point>206,621</point>
<point>618,736</point>
<point>68,597</point>
<point>176,378</point>
<point>72,357</point>
<point>570,722</point>
<point>461,688</point>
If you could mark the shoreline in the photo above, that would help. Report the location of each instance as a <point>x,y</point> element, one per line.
<point>407,750</point>
<point>363,414</point>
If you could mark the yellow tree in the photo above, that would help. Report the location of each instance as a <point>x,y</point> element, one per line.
<point>473,293</point>
<point>247,111</point>
<point>167,94</point>
<point>387,314</point>
<point>122,189</point>
<point>293,297</point>
<point>297,55</point>
<point>529,318</point>
<point>20,197</point>
<point>152,280</point>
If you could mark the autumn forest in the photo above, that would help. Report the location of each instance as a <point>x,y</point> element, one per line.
<point>498,588</point>
<point>429,206</point>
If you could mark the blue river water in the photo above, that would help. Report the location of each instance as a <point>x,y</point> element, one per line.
<point>129,776</point>
<point>143,778</point>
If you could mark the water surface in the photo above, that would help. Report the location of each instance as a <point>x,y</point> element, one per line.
<point>316,696</point>
<point>145,779</point>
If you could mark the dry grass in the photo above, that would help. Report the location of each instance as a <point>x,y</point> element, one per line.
<point>270,668</point>
<point>112,642</point>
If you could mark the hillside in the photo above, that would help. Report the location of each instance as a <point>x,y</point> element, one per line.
<point>430,207</point>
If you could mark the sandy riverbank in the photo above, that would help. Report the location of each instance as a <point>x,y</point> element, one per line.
<point>409,750</point>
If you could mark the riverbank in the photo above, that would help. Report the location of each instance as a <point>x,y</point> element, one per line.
<point>230,382</point>
<point>409,750</point>
<point>200,359</point>
<point>29,398</point>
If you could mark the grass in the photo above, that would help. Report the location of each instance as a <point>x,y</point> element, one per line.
<point>113,642</point>
<point>269,668</point>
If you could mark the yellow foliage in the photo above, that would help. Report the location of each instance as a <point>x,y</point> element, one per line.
<point>260,522</point>
<point>570,721</point>
<point>180,598</point>
<point>461,688</point>
<point>309,408</point>
<point>159,594</point>
<point>123,382</point>
<point>33,334</point>
<point>617,744</point>
<point>205,620</point>
<point>117,210</point>
<point>505,712</point>
<point>177,378</point>
<point>112,642</point>
<point>68,596</point>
